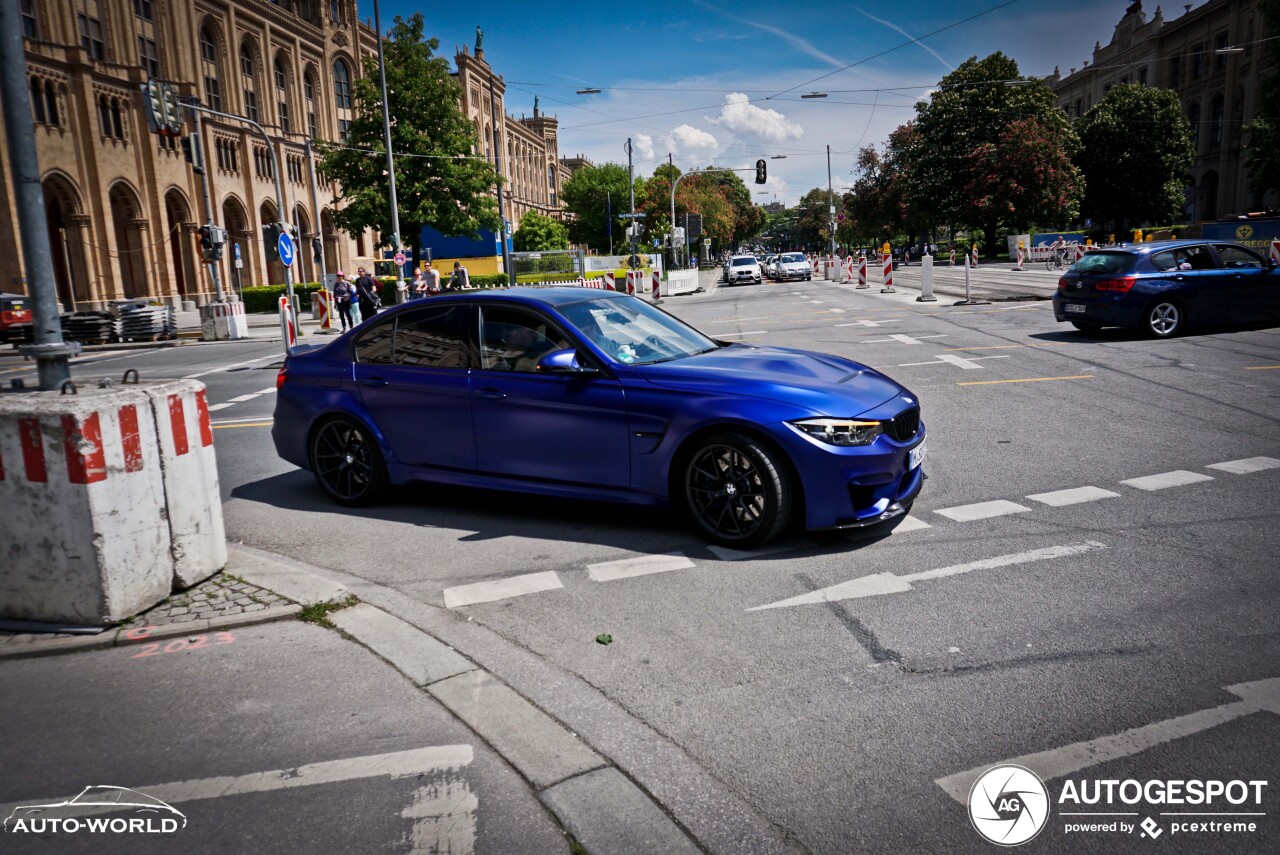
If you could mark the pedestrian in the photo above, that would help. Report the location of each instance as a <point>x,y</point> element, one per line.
<point>367,294</point>
<point>433,278</point>
<point>460,278</point>
<point>420,284</point>
<point>343,294</point>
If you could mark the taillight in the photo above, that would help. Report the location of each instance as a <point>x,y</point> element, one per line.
<point>281,377</point>
<point>1121,284</point>
<point>1063,284</point>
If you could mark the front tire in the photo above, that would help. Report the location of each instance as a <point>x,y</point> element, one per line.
<point>736,491</point>
<point>347,463</point>
<point>1164,319</point>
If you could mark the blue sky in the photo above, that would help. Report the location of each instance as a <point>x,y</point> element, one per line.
<point>718,81</point>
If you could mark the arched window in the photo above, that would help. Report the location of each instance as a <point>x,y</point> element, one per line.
<point>282,94</point>
<point>342,85</point>
<point>51,103</point>
<point>551,183</point>
<point>249,82</point>
<point>309,93</point>
<point>209,67</point>
<point>104,115</point>
<point>1193,117</point>
<point>1219,116</point>
<point>37,100</point>
<point>117,121</point>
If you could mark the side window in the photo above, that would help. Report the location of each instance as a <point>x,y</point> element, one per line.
<point>436,338</point>
<point>1237,257</point>
<point>1199,259</point>
<point>1163,261</point>
<point>374,346</point>
<point>515,339</point>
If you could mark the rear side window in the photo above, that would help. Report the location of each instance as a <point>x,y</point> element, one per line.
<point>1237,257</point>
<point>1104,262</point>
<point>374,345</point>
<point>434,338</point>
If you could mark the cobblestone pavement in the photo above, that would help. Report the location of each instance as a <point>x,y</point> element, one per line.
<point>219,596</point>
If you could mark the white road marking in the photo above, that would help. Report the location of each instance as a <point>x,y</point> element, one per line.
<point>958,361</point>
<point>982,510</point>
<point>1074,496</point>
<point>640,566</point>
<point>1244,467</point>
<point>905,339</point>
<point>232,365</point>
<point>946,358</point>
<point>399,764</point>
<point>213,408</point>
<point>500,589</point>
<point>242,398</point>
<point>909,524</point>
<point>1259,696</point>
<point>444,818</point>
<point>869,323</point>
<point>878,584</point>
<point>724,553</point>
<point>1164,480</point>
<point>737,334</point>
<point>838,311</point>
<point>816,302</point>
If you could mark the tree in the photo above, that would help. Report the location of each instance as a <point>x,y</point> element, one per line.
<point>878,209</point>
<point>439,181</point>
<point>812,220</point>
<point>1135,171</point>
<point>538,232</point>
<point>1263,132</point>
<point>586,198</point>
<point>1027,176</point>
<point>722,199</point>
<point>972,107</point>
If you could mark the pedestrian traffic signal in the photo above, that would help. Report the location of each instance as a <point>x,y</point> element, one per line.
<point>271,240</point>
<point>761,172</point>
<point>212,241</point>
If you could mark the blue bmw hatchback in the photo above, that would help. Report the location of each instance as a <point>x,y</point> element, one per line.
<point>594,395</point>
<point>1163,287</point>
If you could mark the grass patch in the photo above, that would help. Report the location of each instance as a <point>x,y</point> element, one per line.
<point>318,613</point>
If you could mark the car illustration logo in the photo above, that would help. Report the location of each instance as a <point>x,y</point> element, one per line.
<point>151,813</point>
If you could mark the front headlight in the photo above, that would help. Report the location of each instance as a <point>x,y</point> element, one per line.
<point>840,431</point>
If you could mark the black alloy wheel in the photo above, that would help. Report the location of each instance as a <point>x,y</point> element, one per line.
<point>347,463</point>
<point>737,494</point>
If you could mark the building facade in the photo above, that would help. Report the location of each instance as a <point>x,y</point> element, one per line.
<point>1210,57</point>
<point>123,205</point>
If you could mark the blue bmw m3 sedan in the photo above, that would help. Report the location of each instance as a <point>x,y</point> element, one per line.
<point>585,394</point>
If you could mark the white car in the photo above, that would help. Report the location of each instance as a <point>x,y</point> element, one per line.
<point>743,268</point>
<point>792,265</point>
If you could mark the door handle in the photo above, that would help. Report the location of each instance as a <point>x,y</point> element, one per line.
<point>1180,278</point>
<point>373,381</point>
<point>490,392</point>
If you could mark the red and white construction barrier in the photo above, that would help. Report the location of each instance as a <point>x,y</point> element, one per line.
<point>1020,257</point>
<point>657,286</point>
<point>862,272</point>
<point>288,324</point>
<point>324,300</point>
<point>888,275</point>
<point>608,280</point>
<point>223,322</point>
<point>1275,251</point>
<point>974,258</point>
<point>953,256</point>
<point>635,281</point>
<point>849,274</point>
<point>1079,251</point>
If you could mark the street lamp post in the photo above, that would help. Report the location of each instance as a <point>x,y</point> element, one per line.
<point>497,165</point>
<point>831,206</point>
<point>631,189</point>
<point>386,137</point>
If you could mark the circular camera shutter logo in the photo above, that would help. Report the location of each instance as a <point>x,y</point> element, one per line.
<point>1009,805</point>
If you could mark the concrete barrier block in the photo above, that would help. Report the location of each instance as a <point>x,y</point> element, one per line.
<point>190,471</point>
<point>83,536</point>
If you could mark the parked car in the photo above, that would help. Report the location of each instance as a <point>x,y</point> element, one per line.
<point>743,268</point>
<point>792,265</point>
<point>1163,287</point>
<point>594,395</point>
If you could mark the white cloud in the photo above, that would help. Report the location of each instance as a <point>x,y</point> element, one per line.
<point>691,142</point>
<point>642,144</point>
<point>741,117</point>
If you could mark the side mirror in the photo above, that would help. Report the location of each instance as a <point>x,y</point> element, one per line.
<point>563,362</point>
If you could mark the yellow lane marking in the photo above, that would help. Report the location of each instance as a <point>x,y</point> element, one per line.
<point>1025,380</point>
<point>989,347</point>
<point>1261,367</point>
<point>242,425</point>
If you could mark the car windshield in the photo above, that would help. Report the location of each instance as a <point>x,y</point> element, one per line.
<point>792,257</point>
<point>743,262</point>
<point>1103,262</point>
<point>635,332</point>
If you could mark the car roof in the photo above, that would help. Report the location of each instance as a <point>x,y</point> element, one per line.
<point>1157,245</point>
<point>557,295</point>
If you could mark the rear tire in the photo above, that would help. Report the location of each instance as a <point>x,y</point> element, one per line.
<point>346,461</point>
<point>736,491</point>
<point>1164,319</point>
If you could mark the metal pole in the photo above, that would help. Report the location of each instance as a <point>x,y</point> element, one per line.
<point>831,206</point>
<point>197,154</point>
<point>497,164</point>
<point>315,212</point>
<point>50,351</point>
<point>608,212</point>
<point>631,189</point>
<point>386,136</point>
<point>672,164</point>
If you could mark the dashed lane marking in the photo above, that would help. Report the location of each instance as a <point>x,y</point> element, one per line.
<point>1074,496</point>
<point>904,339</point>
<point>1177,478</point>
<point>866,322</point>
<point>1025,380</point>
<point>232,365</point>
<point>500,589</point>
<point>982,510</point>
<point>643,565</point>
<point>1244,467</point>
<point>990,347</point>
<point>1261,367</point>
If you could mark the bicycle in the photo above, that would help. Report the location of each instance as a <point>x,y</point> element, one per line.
<point>1058,261</point>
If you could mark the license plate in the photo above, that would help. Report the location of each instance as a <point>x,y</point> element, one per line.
<point>915,457</point>
<point>1074,309</point>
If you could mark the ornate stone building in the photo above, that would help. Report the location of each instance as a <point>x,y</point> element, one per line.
<point>1195,55</point>
<point>123,204</point>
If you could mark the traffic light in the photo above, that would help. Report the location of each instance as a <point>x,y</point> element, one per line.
<point>761,172</point>
<point>191,152</point>
<point>212,241</point>
<point>317,251</point>
<point>164,110</point>
<point>271,240</point>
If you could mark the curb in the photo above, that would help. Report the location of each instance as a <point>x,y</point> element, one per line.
<point>121,637</point>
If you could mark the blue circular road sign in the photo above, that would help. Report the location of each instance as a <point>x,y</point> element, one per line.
<point>285,244</point>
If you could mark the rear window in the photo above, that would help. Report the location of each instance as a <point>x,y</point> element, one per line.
<point>743,262</point>
<point>1104,262</point>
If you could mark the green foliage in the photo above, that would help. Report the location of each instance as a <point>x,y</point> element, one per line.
<point>439,180</point>
<point>810,229</point>
<point>878,209</point>
<point>1135,171</point>
<point>1263,133</point>
<point>1027,176</point>
<point>538,232</point>
<point>585,197</point>
<point>266,298</point>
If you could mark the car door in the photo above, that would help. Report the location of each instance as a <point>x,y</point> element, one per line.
<point>553,427</point>
<point>1200,285</point>
<point>412,372</point>
<point>1253,283</point>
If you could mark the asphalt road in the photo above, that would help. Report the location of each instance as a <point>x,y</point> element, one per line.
<point>1051,619</point>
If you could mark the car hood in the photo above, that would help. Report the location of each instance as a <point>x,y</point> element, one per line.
<point>827,385</point>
